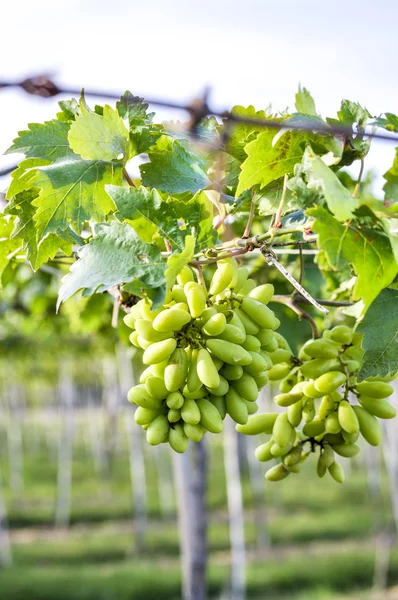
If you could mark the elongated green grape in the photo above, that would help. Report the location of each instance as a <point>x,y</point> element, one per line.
<point>159,351</point>
<point>315,368</point>
<point>242,275</point>
<point>278,372</point>
<point>368,426</point>
<point>259,313</point>
<point>250,326</point>
<point>232,334</point>
<point>322,349</point>
<point>175,400</point>
<point>261,380</point>
<point>190,412</point>
<point>332,423</point>
<point>246,288</point>
<point>178,293</point>
<point>257,365</point>
<point>158,430</point>
<point>220,404</point>
<point>310,390</point>
<point>215,325</point>
<point>146,330</point>
<point>232,372</point>
<point>327,456</point>
<point>262,293</point>
<point>185,275</point>
<point>246,387</point>
<point>132,316</point>
<point>210,418</point>
<point>280,355</point>
<point>221,389</point>
<point>194,432</point>
<point>341,334</point>
<point>347,417</point>
<point>295,413</point>
<point>236,322</point>
<point>178,440</point>
<point>314,427</point>
<point>277,473</point>
<point>336,472</point>
<point>252,407</point>
<point>159,368</point>
<point>326,406</point>
<point>229,352</point>
<point>196,298</point>
<point>320,468</point>
<point>330,381</point>
<point>222,277</point>
<point>349,438</point>
<point>308,411</point>
<point>375,389</point>
<point>265,336</point>
<point>207,371</point>
<point>251,343</point>
<point>193,381</point>
<point>236,406</point>
<point>143,416</point>
<point>176,371</point>
<point>200,393</point>
<point>287,399</point>
<point>379,407</point>
<point>263,452</point>
<point>174,415</point>
<point>140,396</point>
<point>282,430</point>
<point>346,450</point>
<point>156,388</point>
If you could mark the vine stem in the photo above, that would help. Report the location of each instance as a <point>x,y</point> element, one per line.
<point>168,245</point>
<point>277,221</point>
<point>302,314</point>
<point>248,227</point>
<point>358,183</point>
<point>127,177</point>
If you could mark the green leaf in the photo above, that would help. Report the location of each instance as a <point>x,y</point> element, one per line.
<point>22,176</point>
<point>72,192</point>
<point>367,249</point>
<point>305,103</point>
<point>24,228</point>
<point>322,179</point>
<point>99,137</point>
<point>135,109</point>
<point>380,330</point>
<point>8,246</point>
<point>176,262</point>
<point>268,199</point>
<point>391,177</point>
<point>115,255</point>
<point>48,141</point>
<point>172,220</point>
<point>268,161</point>
<point>173,168</point>
<point>70,110</point>
<point>390,122</point>
<point>351,113</point>
<point>239,134</point>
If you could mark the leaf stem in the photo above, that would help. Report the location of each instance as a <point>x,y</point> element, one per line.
<point>248,227</point>
<point>168,245</point>
<point>358,183</point>
<point>301,300</point>
<point>127,177</point>
<point>302,314</point>
<point>277,220</point>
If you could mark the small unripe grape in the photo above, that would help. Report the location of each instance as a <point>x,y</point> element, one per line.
<point>215,325</point>
<point>346,450</point>
<point>232,334</point>
<point>368,426</point>
<point>190,412</point>
<point>232,372</point>
<point>341,334</point>
<point>207,371</point>
<point>336,472</point>
<point>194,432</point>
<point>263,452</point>
<point>210,418</point>
<point>175,400</point>
<point>256,424</point>
<point>236,407</point>
<point>277,473</point>
<point>327,456</point>
<point>262,293</point>
<point>158,430</point>
<point>330,381</point>
<point>229,352</point>
<point>347,417</point>
<point>185,275</point>
<point>246,387</point>
<point>178,439</point>
<point>174,415</point>
<point>375,389</point>
<point>380,408</point>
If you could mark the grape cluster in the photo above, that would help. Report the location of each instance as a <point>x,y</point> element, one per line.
<point>327,409</point>
<point>208,354</point>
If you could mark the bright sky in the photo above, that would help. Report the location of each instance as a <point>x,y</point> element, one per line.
<point>249,52</point>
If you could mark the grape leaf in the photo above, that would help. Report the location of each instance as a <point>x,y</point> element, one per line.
<point>25,229</point>
<point>239,134</point>
<point>173,168</point>
<point>72,192</point>
<point>48,140</point>
<point>391,186</point>
<point>99,137</point>
<point>135,109</point>
<point>176,262</point>
<point>8,246</point>
<point>268,161</point>
<point>22,175</point>
<point>390,122</point>
<point>172,219</point>
<point>367,249</point>
<point>70,110</point>
<point>322,179</point>
<point>380,330</point>
<point>305,103</point>
<point>114,255</point>
<point>352,112</point>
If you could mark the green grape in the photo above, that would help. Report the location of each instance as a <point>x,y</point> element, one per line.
<point>279,451</point>
<point>322,348</point>
<point>176,371</point>
<point>142,342</point>
<point>287,384</point>
<point>246,288</point>
<point>146,310</point>
<point>232,334</point>
<point>308,410</point>
<point>257,365</point>
<point>178,440</point>
<point>144,416</point>
<point>146,374</point>
<point>272,346</point>
<point>207,371</point>
<point>146,330</point>
<point>295,413</point>
<point>347,417</point>
<point>332,423</point>
<point>310,391</point>
<point>193,381</point>
<point>267,360</point>
<point>380,408</point>
<point>156,388</point>
<point>171,319</point>
<point>252,407</point>
<point>196,299</point>
<point>259,313</point>
<point>200,393</point>
<point>174,415</point>
<point>221,389</point>
<point>218,362</point>
<point>327,456</point>
<point>279,356</point>
<point>263,452</point>
<point>185,275</point>
<point>232,372</point>
<point>132,316</point>
<point>236,407</point>
<point>375,389</point>
<point>277,473</point>
<point>220,404</point>
<point>180,306</point>
<point>246,387</point>
<point>282,430</point>
<point>261,380</point>
<point>314,427</point>
<point>178,293</point>
<point>228,352</point>
<point>336,472</point>
<point>315,368</point>
<point>158,430</point>
<point>265,336</point>
<point>349,438</point>
<point>326,406</point>
<point>293,457</point>
<point>243,274</point>
<point>139,395</point>
<point>341,334</point>
<point>352,366</point>
<point>346,450</point>
<point>159,351</point>
<point>210,418</point>
<point>368,426</point>
<point>194,432</point>
<point>175,400</point>
<point>190,412</point>
<point>223,276</point>
<point>159,368</point>
<point>251,343</point>
<point>215,325</point>
<point>262,293</point>
<point>320,468</point>
<point>250,326</point>
<point>287,399</point>
<point>256,424</point>
<point>330,381</point>
<point>133,337</point>
<point>236,322</point>
<point>353,353</point>
<point>278,372</point>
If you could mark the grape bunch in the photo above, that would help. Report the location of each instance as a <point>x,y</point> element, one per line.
<point>207,354</point>
<point>327,409</point>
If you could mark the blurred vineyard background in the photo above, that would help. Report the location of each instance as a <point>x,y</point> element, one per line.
<point>88,510</point>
